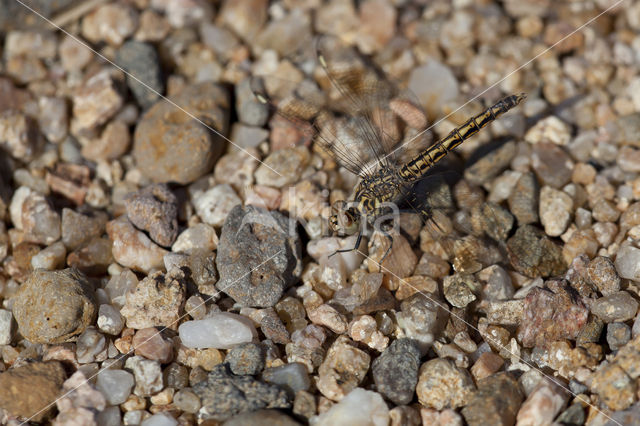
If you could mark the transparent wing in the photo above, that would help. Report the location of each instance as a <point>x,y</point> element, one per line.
<point>303,107</point>
<point>356,117</point>
<point>379,112</point>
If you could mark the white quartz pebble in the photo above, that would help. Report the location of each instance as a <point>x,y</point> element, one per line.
<point>359,408</point>
<point>221,330</point>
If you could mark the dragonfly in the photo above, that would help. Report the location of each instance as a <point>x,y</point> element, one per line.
<point>374,150</point>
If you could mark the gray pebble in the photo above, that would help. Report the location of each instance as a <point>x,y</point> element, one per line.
<point>176,376</point>
<point>492,220</point>
<point>421,319</point>
<point>551,164</point>
<point>618,334</point>
<point>78,227</point>
<point>141,60</point>
<point>224,395</point>
<point>258,256</point>
<point>395,372</point>
<point>293,377</point>
<point>459,289</point>
<point>618,306</point>
<point>187,401</point>
<point>246,359</point>
<point>496,402</point>
<point>574,415</point>
<point>262,417</point>
<point>250,111</point>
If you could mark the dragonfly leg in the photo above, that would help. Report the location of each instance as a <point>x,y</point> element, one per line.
<point>386,253</point>
<point>355,247</point>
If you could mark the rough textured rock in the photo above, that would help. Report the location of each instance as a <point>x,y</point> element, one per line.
<point>550,315</point>
<point>258,256</point>
<point>25,390</point>
<point>224,395</point>
<point>496,402</point>
<point>395,372</point>
<point>170,145</point>
<point>158,300</point>
<point>533,254</point>
<point>54,306</point>
<point>154,209</point>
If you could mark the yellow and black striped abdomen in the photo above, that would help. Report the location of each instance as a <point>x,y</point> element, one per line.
<point>417,167</point>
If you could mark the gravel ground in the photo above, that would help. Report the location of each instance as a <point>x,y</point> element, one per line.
<point>164,250</point>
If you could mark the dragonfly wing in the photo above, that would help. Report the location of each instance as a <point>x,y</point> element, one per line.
<point>380,112</point>
<point>303,106</point>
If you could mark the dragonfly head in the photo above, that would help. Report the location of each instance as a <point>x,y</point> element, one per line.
<point>344,220</point>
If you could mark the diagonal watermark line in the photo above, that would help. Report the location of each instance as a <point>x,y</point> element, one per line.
<point>132,349</point>
<point>492,340</point>
<point>580,28</point>
<point>151,89</point>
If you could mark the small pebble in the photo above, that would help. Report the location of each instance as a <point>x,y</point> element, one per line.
<point>142,64</point>
<point>551,130</point>
<point>224,395</point>
<point>395,371</point>
<point>109,320</point>
<point>186,400</point>
<point>543,404</point>
<point>115,385</point>
<point>618,334</point>
<point>550,316</point>
<point>602,273</point>
<point>441,384</point>
<point>342,370</point>
<point>40,222</point>
<point>433,96</point>
<point>487,364</point>
<point>628,263</point>
<point>157,300</point>
<point>132,248</point>
<point>159,419</point>
<point>95,102</point>
<point>78,228</point>
<point>618,306</point>
<point>110,23</point>
<point>496,401</point>
<point>555,210</point>
<point>6,327</point>
<point>421,319</point>
<point>214,205</point>
<point>360,406</point>
<point>220,330</point>
<point>50,258</point>
<point>148,375</point>
<point>198,237</point>
<point>291,376</point>
<point>283,167</point>
<point>154,209</point>
<point>246,359</point>
<point>150,343</point>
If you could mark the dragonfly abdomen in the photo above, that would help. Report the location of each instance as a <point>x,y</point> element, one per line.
<point>417,167</point>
